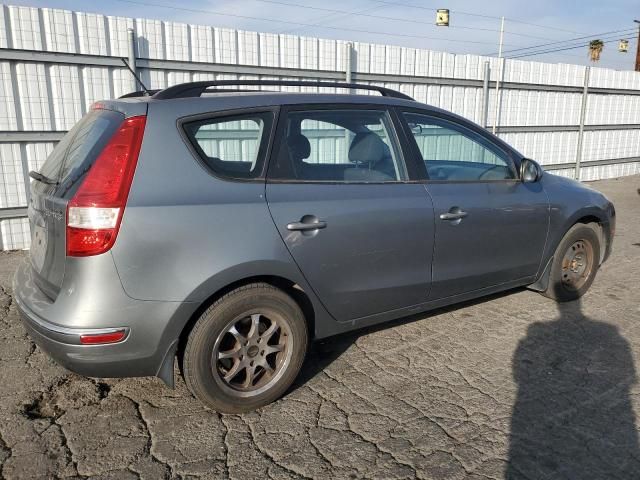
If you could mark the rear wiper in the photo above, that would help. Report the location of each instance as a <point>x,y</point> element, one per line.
<point>42,178</point>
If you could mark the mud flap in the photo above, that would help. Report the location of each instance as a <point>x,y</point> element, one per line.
<point>542,283</point>
<point>165,372</point>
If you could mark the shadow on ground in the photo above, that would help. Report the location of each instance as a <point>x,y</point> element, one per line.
<point>573,417</point>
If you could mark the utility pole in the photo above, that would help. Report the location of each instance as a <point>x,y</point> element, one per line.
<point>638,48</point>
<point>501,37</point>
<point>499,74</point>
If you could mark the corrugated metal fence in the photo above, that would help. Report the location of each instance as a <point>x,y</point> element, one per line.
<point>55,63</point>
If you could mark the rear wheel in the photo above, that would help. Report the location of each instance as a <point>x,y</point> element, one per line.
<point>575,263</point>
<point>246,349</point>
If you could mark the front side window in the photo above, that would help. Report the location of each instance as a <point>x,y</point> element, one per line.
<point>351,146</point>
<point>232,146</point>
<point>452,152</point>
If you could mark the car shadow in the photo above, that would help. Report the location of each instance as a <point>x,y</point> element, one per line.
<point>323,353</point>
<point>573,417</point>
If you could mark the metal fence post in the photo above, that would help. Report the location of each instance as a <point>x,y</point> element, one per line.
<point>132,57</point>
<point>348,62</point>
<point>500,74</point>
<point>485,94</point>
<point>583,114</point>
<point>26,179</point>
<point>348,77</point>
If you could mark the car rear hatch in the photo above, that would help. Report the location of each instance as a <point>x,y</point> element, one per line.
<point>55,185</point>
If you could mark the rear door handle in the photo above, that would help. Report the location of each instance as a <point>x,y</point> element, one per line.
<point>453,215</point>
<point>306,226</point>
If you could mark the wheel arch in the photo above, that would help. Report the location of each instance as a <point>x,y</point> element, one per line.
<point>595,216</point>
<point>290,287</point>
<point>584,216</point>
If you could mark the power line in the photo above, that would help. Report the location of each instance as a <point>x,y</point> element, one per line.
<point>458,12</point>
<point>479,15</point>
<point>595,35</point>
<point>560,49</point>
<point>618,58</point>
<point>302,24</point>
<point>386,17</point>
<point>498,31</point>
<point>344,12</point>
<point>389,34</point>
<point>330,18</point>
<point>544,26</point>
<point>557,50</point>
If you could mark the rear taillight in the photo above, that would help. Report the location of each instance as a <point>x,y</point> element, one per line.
<point>95,211</point>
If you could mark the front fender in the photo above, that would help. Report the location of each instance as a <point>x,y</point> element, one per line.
<point>572,202</point>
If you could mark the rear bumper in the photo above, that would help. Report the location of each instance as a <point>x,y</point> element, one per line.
<point>55,326</point>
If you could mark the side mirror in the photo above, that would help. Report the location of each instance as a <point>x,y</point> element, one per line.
<point>530,171</point>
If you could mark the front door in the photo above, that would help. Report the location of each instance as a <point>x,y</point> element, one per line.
<point>338,193</point>
<point>491,228</point>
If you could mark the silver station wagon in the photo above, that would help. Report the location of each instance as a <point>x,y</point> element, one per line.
<point>230,228</point>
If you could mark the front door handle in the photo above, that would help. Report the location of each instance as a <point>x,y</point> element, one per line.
<point>453,215</point>
<point>306,226</point>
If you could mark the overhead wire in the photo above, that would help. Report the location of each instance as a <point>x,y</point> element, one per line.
<point>544,52</point>
<point>386,17</point>
<point>520,52</point>
<point>349,13</point>
<point>320,22</point>
<point>592,36</point>
<point>479,15</point>
<point>563,53</point>
<point>290,22</point>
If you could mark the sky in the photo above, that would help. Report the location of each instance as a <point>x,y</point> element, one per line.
<point>474,26</point>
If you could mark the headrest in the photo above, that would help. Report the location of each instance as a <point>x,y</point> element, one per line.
<point>299,146</point>
<point>367,148</point>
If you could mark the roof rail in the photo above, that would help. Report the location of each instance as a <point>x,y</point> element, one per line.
<point>195,89</point>
<point>139,93</point>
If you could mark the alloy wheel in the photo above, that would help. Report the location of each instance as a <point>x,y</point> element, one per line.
<point>251,353</point>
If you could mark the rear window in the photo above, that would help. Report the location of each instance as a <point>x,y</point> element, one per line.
<point>76,152</point>
<point>231,146</point>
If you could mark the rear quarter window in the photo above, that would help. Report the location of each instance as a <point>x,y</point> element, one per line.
<point>231,146</point>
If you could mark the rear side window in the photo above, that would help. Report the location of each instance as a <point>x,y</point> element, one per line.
<point>79,149</point>
<point>231,146</point>
<point>339,146</point>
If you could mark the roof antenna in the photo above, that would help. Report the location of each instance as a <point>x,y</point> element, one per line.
<point>146,90</point>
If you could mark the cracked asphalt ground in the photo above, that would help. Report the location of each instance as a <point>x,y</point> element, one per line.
<point>510,386</point>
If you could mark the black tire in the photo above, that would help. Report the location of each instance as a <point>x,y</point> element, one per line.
<point>565,284</point>
<point>226,322</point>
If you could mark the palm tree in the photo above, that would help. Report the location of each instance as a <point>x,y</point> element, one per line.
<point>595,49</point>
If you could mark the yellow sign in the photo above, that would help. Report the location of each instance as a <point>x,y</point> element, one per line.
<point>442,17</point>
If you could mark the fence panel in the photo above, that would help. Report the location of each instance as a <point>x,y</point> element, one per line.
<point>55,63</point>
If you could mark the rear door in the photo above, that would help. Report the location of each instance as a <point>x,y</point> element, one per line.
<point>490,228</point>
<point>339,193</point>
<point>62,172</point>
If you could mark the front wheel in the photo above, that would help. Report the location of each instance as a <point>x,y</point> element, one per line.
<point>575,263</point>
<point>246,349</point>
